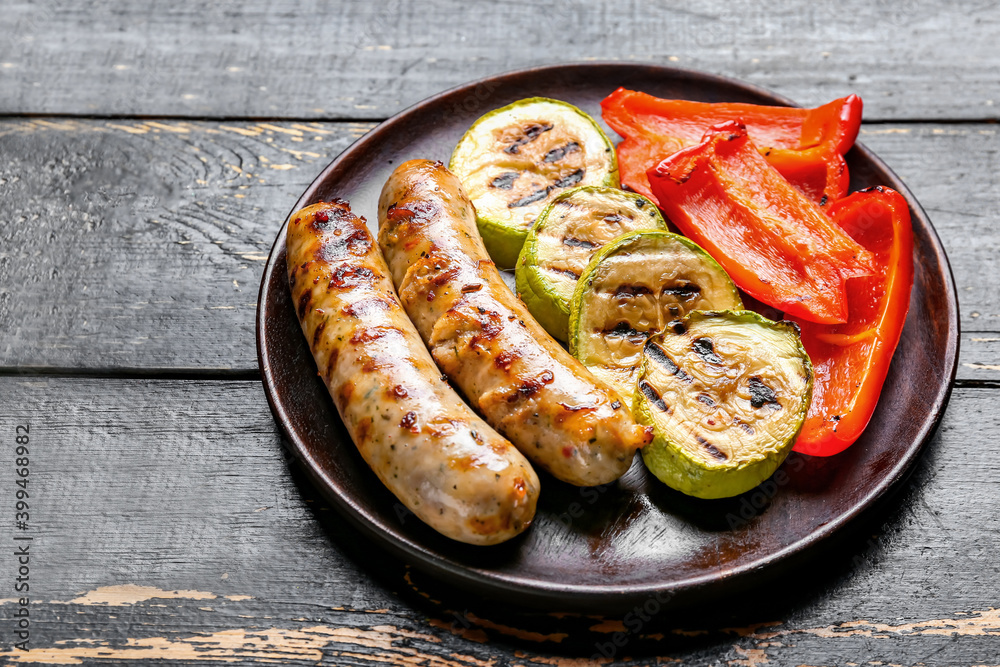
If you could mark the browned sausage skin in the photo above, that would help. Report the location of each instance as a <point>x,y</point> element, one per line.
<point>427,446</point>
<point>520,379</point>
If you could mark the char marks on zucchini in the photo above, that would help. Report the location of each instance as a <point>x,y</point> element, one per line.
<point>557,154</point>
<point>717,441</point>
<point>516,159</point>
<point>636,286</point>
<point>660,356</point>
<point>528,134</point>
<point>654,396</point>
<point>567,234</point>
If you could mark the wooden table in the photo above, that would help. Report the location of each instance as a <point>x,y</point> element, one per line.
<point>149,156</point>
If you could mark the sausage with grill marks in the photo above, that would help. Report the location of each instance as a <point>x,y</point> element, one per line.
<point>440,459</point>
<point>523,382</point>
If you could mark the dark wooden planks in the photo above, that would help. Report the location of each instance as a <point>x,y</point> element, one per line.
<point>142,243</point>
<point>912,59</point>
<point>979,361</point>
<point>168,524</point>
<point>139,245</point>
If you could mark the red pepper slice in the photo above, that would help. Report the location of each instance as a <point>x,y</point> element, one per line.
<point>775,243</point>
<point>851,360</point>
<point>805,145</point>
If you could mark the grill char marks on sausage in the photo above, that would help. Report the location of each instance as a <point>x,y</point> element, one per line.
<point>321,219</point>
<point>346,277</point>
<point>365,307</point>
<point>390,395</point>
<point>505,358</point>
<point>489,324</point>
<point>365,335</point>
<point>318,333</point>
<point>444,277</point>
<point>359,243</point>
<point>415,213</point>
<point>305,301</point>
<point>331,362</point>
<point>343,396</point>
<point>409,422</point>
<point>515,394</point>
<point>337,247</point>
<point>531,386</point>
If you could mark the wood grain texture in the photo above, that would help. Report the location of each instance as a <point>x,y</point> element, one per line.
<point>168,525</point>
<point>139,245</point>
<point>123,237</point>
<point>909,59</point>
<point>980,358</point>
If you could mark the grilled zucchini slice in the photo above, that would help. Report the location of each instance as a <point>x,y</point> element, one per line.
<point>565,237</point>
<point>515,160</point>
<point>726,393</point>
<point>631,289</point>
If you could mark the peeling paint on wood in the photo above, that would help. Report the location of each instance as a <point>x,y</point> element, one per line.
<point>383,644</point>
<point>128,594</point>
<point>517,633</point>
<point>972,624</point>
<point>129,242</point>
<point>126,234</point>
<point>207,454</point>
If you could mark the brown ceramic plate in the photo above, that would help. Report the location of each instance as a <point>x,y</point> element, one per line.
<point>611,547</point>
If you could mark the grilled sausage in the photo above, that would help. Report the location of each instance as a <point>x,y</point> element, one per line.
<point>428,447</point>
<point>523,382</point>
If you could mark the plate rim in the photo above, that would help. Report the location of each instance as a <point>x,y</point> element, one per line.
<point>577,595</point>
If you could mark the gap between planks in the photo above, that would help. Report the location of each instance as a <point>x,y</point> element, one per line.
<point>217,374</point>
<point>988,120</point>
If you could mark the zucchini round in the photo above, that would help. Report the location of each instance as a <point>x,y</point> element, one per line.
<point>631,289</point>
<point>515,160</point>
<point>726,393</point>
<point>564,238</point>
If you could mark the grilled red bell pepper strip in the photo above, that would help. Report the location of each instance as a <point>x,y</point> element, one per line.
<point>851,360</point>
<point>775,243</point>
<point>805,145</point>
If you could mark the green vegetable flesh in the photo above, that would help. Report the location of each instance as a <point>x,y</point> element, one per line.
<point>561,243</point>
<point>515,160</point>
<point>631,290</point>
<point>726,393</point>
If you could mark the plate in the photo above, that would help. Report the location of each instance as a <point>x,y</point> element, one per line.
<point>608,548</point>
